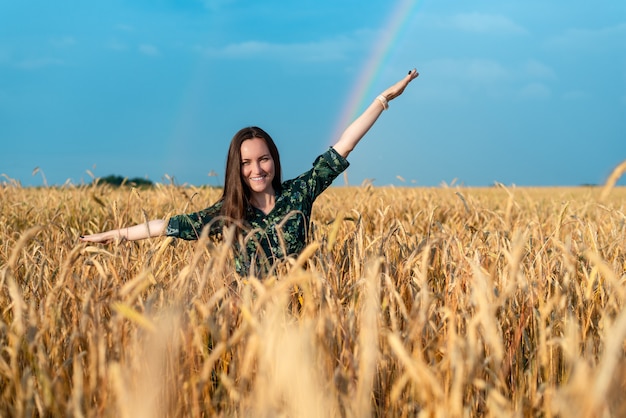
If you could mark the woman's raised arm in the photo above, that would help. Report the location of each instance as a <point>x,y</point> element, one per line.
<point>357,129</point>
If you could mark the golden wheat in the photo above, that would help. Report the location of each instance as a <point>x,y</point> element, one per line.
<point>444,302</point>
<point>615,175</point>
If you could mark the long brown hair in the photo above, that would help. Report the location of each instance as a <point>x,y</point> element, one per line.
<point>236,196</point>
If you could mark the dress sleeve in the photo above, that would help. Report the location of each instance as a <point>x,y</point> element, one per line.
<point>325,169</point>
<point>189,226</point>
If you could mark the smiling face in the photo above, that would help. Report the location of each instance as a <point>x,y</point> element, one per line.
<point>257,166</point>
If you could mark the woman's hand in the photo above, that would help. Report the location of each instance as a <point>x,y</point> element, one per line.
<point>397,89</point>
<point>102,237</point>
<point>359,127</point>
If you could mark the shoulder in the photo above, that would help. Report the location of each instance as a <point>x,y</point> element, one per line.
<point>209,212</point>
<point>329,162</point>
<point>326,168</point>
<point>288,187</point>
<point>329,165</point>
<point>333,158</point>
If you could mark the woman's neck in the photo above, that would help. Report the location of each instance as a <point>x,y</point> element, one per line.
<point>263,201</point>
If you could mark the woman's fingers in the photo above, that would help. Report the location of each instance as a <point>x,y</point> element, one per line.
<point>98,238</point>
<point>398,88</point>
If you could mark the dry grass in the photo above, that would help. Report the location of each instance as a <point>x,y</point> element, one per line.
<point>412,302</point>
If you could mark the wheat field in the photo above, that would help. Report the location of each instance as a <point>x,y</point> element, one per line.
<point>408,302</point>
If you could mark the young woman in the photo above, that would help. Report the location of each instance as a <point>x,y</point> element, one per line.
<point>271,216</point>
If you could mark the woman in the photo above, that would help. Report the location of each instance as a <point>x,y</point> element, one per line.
<point>271,216</point>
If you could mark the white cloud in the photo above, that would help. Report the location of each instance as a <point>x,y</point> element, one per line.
<point>8,59</point>
<point>63,42</point>
<point>116,45</point>
<point>491,77</point>
<point>535,91</point>
<point>475,70</point>
<point>149,50</point>
<point>215,4</point>
<point>574,95</point>
<point>443,93</point>
<point>484,23</point>
<point>597,39</point>
<point>537,69</point>
<point>124,27</point>
<point>328,50</point>
<point>36,63</point>
<point>4,56</point>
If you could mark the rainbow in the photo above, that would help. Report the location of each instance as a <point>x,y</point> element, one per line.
<point>382,51</point>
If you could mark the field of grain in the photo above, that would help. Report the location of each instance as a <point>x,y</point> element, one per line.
<point>443,302</point>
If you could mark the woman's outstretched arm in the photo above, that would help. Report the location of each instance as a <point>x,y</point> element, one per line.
<point>154,228</point>
<point>357,129</point>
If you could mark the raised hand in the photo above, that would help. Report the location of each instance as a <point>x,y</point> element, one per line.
<point>397,89</point>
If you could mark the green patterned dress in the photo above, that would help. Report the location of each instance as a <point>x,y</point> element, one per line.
<point>280,233</point>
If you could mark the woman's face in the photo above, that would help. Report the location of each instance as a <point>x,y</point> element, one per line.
<point>257,165</point>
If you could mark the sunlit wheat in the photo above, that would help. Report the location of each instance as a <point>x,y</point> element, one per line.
<point>447,302</point>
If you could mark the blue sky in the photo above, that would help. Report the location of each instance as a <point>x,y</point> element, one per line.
<point>529,93</point>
